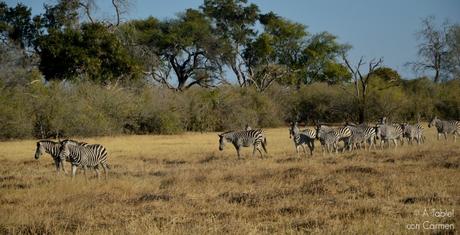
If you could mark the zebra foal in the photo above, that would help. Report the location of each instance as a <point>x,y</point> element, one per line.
<point>302,138</point>
<point>85,156</point>
<point>244,138</point>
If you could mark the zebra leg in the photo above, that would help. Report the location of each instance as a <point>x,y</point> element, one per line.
<point>96,168</point>
<point>74,171</point>
<point>61,165</point>
<point>396,143</point>
<point>439,135</point>
<point>264,147</point>
<point>84,172</point>
<point>238,151</point>
<point>304,150</point>
<point>106,171</point>
<point>445,135</point>
<point>311,146</point>
<point>56,163</point>
<point>260,151</point>
<point>297,150</point>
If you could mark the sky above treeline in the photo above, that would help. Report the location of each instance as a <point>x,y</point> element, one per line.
<point>375,28</point>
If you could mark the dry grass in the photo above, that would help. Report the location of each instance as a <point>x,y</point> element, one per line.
<point>183,184</point>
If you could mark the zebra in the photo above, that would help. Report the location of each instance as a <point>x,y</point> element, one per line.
<point>301,138</point>
<point>244,139</point>
<point>445,127</point>
<point>388,132</point>
<point>52,148</point>
<point>361,134</point>
<point>343,133</point>
<point>328,138</point>
<point>93,155</point>
<point>412,132</point>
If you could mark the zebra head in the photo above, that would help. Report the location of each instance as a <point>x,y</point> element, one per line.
<point>433,121</point>
<point>221,142</point>
<point>39,151</point>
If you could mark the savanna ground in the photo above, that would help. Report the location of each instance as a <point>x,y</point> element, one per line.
<point>184,184</point>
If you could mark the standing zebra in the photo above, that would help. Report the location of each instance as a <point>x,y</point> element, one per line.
<point>388,132</point>
<point>52,148</point>
<point>244,139</point>
<point>412,132</point>
<point>94,155</point>
<point>328,137</point>
<point>445,127</point>
<point>361,134</point>
<point>342,133</point>
<point>302,138</point>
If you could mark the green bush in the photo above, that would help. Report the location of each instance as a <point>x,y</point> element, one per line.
<point>67,109</point>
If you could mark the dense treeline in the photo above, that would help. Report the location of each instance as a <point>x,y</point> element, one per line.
<point>88,109</point>
<point>218,67</point>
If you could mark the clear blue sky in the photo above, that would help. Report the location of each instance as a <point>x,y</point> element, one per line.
<point>375,28</point>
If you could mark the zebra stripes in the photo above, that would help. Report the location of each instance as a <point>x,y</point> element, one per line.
<point>445,127</point>
<point>52,148</point>
<point>85,156</point>
<point>361,134</point>
<point>413,132</point>
<point>329,137</point>
<point>387,132</point>
<point>244,138</point>
<point>302,138</point>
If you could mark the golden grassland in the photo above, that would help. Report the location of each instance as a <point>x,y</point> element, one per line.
<point>184,184</point>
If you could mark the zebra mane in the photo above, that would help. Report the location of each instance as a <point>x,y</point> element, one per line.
<point>224,133</point>
<point>47,141</point>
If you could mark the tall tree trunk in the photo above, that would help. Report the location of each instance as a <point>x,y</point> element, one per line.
<point>436,76</point>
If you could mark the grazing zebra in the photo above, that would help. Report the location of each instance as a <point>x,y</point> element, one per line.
<point>328,137</point>
<point>361,134</point>
<point>94,155</point>
<point>445,127</point>
<point>244,139</point>
<point>52,148</point>
<point>389,132</point>
<point>412,132</point>
<point>302,138</point>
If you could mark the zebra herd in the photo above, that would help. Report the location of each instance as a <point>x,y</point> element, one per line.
<point>79,154</point>
<point>85,155</point>
<point>353,136</point>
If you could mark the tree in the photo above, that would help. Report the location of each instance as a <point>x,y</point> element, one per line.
<point>453,43</point>
<point>92,52</point>
<point>185,46</point>
<point>319,63</point>
<point>433,49</point>
<point>234,25</point>
<point>361,82</point>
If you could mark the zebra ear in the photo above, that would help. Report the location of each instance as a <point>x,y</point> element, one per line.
<point>220,135</point>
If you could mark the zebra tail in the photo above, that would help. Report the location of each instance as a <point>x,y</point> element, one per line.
<point>265,141</point>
